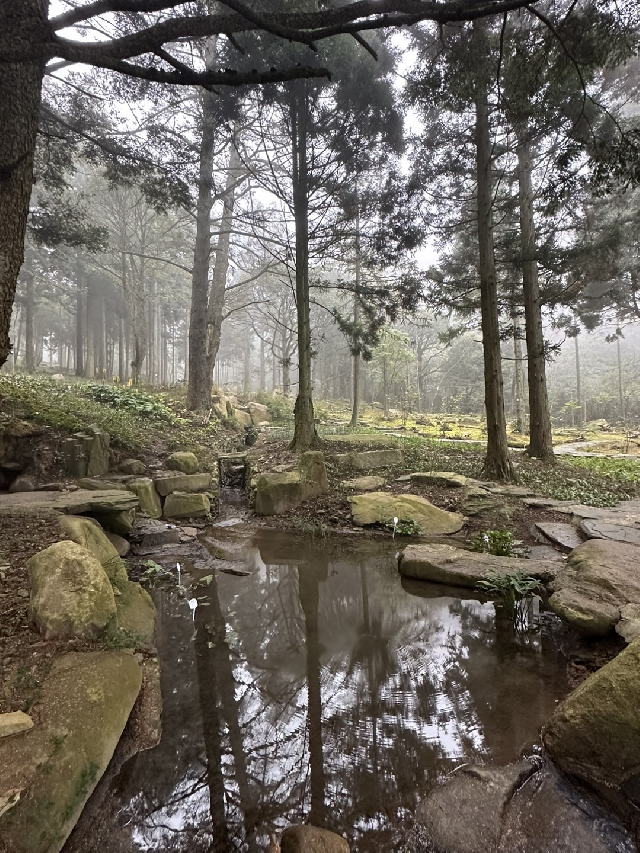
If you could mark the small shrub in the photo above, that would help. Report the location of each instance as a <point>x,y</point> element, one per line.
<point>404,527</point>
<point>511,590</point>
<point>497,542</point>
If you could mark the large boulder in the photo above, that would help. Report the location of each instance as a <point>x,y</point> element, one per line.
<point>183,461</point>
<point>120,523</point>
<point>311,839</point>
<point>133,466</point>
<point>599,579</point>
<point>520,808</point>
<point>482,503</point>
<point>458,567</point>
<point>259,413</point>
<point>279,492</point>
<point>71,595</point>
<point>136,613</point>
<point>186,505</point>
<point>242,418</point>
<point>88,533</point>
<point>48,773</point>
<point>369,459</point>
<point>595,733</point>
<point>380,507</point>
<point>166,485</point>
<point>150,503</point>
<point>448,479</point>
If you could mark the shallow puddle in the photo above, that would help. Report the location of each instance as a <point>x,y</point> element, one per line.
<point>321,689</point>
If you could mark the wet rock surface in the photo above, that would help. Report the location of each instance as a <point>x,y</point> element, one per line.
<point>521,808</point>
<point>565,536</point>
<point>458,567</point>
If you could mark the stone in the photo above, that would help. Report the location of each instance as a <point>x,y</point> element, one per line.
<point>79,502</point>
<point>71,595</point>
<point>88,533</point>
<point>155,534</point>
<point>364,484</point>
<point>132,466</point>
<point>277,494</point>
<point>14,723</point>
<point>165,485</point>
<point>594,528</point>
<point>595,733</point>
<point>150,503</point>
<point>449,479</point>
<point>629,625</point>
<point>546,814</point>
<point>380,507</point>
<point>117,522</point>
<point>313,474</point>
<point>49,773</point>
<point>75,461</point>
<point>136,612</point>
<point>599,578</point>
<point>480,502</point>
<point>183,461</point>
<point>458,567</point>
<point>565,536</point>
<point>509,490</point>
<point>119,543</point>
<point>96,450</point>
<point>369,459</point>
<point>311,839</point>
<point>477,796</point>
<point>259,413</point>
<point>186,505</point>
<point>95,484</point>
<point>22,483</point>
<point>242,418</point>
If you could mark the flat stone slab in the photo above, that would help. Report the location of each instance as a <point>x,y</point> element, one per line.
<point>457,567</point>
<point>48,773</point>
<point>181,483</point>
<point>594,528</point>
<point>381,507</point>
<point>14,722</point>
<point>448,479</point>
<point>510,491</point>
<point>565,536</point>
<point>364,484</point>
<point>78,502</point>
<point>599,578</point>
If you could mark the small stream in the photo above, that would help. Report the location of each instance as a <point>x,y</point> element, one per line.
<point>320,688</point>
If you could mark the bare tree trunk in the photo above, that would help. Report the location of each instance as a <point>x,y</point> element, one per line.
<point>620,384</point>
<point>215,307</point>
<point>517,376</point>
<point>540,441</point>
<point>122,361</point>
<point>199,390</point>
<point>355,383</point>
<point>29,341</point>
<point>80,317</point>
<point>263,377</point>
<point>305,435</point>
<point>21,25</point>
<point>579,383</point>
<point>246,379</point>
<point>497,464</point>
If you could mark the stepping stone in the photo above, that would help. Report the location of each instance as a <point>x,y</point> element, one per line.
<point>511,491</point>
<point>565,536</point>
<point>594,528</point>
<point>364,484</point>
<point>439,478</point>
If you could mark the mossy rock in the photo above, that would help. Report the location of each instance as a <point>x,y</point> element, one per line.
<point>71,595</point>
<point>136,613</point>
<point>313,474</point>
<point>380,507</point>
<point>120,522</point>
<point>448,479</point>
<point>150,503</point>
<point>53,768</point>
<point>183,461</point>
<point>133,466</point>
<point>88,533</point>
<point>182,483</point>
<point>183,505</point>
<point>277,494</point>
<point>595,733</point>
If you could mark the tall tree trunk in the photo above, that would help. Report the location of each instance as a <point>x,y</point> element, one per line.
<point>579,383</point>
<point>497,465</point>
<point>122,361</point>
<point>620,383</point>
<point>355,376</point>
<point>540,441</point>
<point>21,25</point>
<point>215,307</point>
<point>199,390</point>
<point>29,337</point>
<point>80,318</point>
<point>305,435</point>
<point>89,364</point>
<point>517,376</point>
<point>263,377</point>
<point>246,377</point>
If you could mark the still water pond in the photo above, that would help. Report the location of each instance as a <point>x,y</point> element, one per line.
<point>322,688</point>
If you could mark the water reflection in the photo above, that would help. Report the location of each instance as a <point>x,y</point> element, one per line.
<point>321,689</point>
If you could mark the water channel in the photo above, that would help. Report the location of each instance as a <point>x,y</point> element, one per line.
<point>321,688</point>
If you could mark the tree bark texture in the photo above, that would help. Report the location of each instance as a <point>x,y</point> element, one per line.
<point>540,441</point>
<point>20,90</point>
<point>497,464</point>
<point>355,386</point>
<point>305,435</point>
<point>199,390</point>
<point>216,297</point>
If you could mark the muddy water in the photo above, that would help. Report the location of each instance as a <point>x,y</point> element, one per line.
<point>321,689</point>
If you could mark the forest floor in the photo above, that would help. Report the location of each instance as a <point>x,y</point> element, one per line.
<point>149,425</point>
